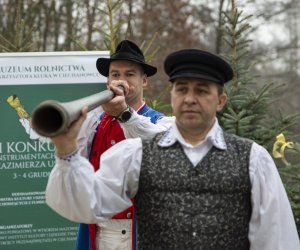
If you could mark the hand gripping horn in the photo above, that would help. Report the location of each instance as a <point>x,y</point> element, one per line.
<point>51,118</point>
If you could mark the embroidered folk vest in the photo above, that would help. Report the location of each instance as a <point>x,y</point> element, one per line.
<point>179,206</point>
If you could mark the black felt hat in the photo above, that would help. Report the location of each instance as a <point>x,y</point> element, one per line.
<point>126,50</point>
<point>195,63</point>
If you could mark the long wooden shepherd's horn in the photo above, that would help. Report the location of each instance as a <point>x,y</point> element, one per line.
<point>51,118</point>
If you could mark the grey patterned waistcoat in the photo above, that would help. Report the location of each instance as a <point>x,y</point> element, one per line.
<point>182,207</point>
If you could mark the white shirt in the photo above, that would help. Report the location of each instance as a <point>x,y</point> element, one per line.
<point>76,192</point>
<point>137,126</point>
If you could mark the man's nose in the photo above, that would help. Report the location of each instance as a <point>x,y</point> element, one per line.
<point>190,97</point>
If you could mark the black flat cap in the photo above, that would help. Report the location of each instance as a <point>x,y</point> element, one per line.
<point>195,63</point>
<point>126,50</point>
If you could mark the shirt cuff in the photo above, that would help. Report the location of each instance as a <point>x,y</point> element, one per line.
<point>69,156</point>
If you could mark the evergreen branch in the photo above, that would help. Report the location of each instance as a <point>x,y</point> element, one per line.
<point>102,11</point>
<point>149,43</point>
<point>246,18</point>
<point>117,5</point>
<point>7,41</point>
<point>79,44</point>
<point>5,48</point>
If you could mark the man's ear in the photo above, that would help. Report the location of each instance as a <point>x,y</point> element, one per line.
<point>145,80</point>
<point>222,102</point>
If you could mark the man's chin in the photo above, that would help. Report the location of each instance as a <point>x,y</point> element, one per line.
<point>191,117</point>
<point>191,123</point>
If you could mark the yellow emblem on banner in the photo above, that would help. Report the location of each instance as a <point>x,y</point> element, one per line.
<point>15,103</point>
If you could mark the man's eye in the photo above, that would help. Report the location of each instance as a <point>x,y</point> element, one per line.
<point>201,91</point>
<point>180,89</point>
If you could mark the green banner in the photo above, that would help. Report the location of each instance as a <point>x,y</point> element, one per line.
<point>26,159</point>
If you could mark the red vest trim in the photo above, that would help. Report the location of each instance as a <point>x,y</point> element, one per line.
<point>109,132</point>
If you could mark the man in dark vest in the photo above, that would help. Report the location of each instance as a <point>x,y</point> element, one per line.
<point>194,186</point>
<point>127,68</point>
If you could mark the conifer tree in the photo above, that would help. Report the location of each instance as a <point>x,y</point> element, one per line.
<point>248,112</point>
<point>19,41</point>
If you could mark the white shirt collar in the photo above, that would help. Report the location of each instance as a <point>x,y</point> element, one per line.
<point>214,136</point>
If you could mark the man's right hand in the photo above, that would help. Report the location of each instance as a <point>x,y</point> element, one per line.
<point>117,104</point>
